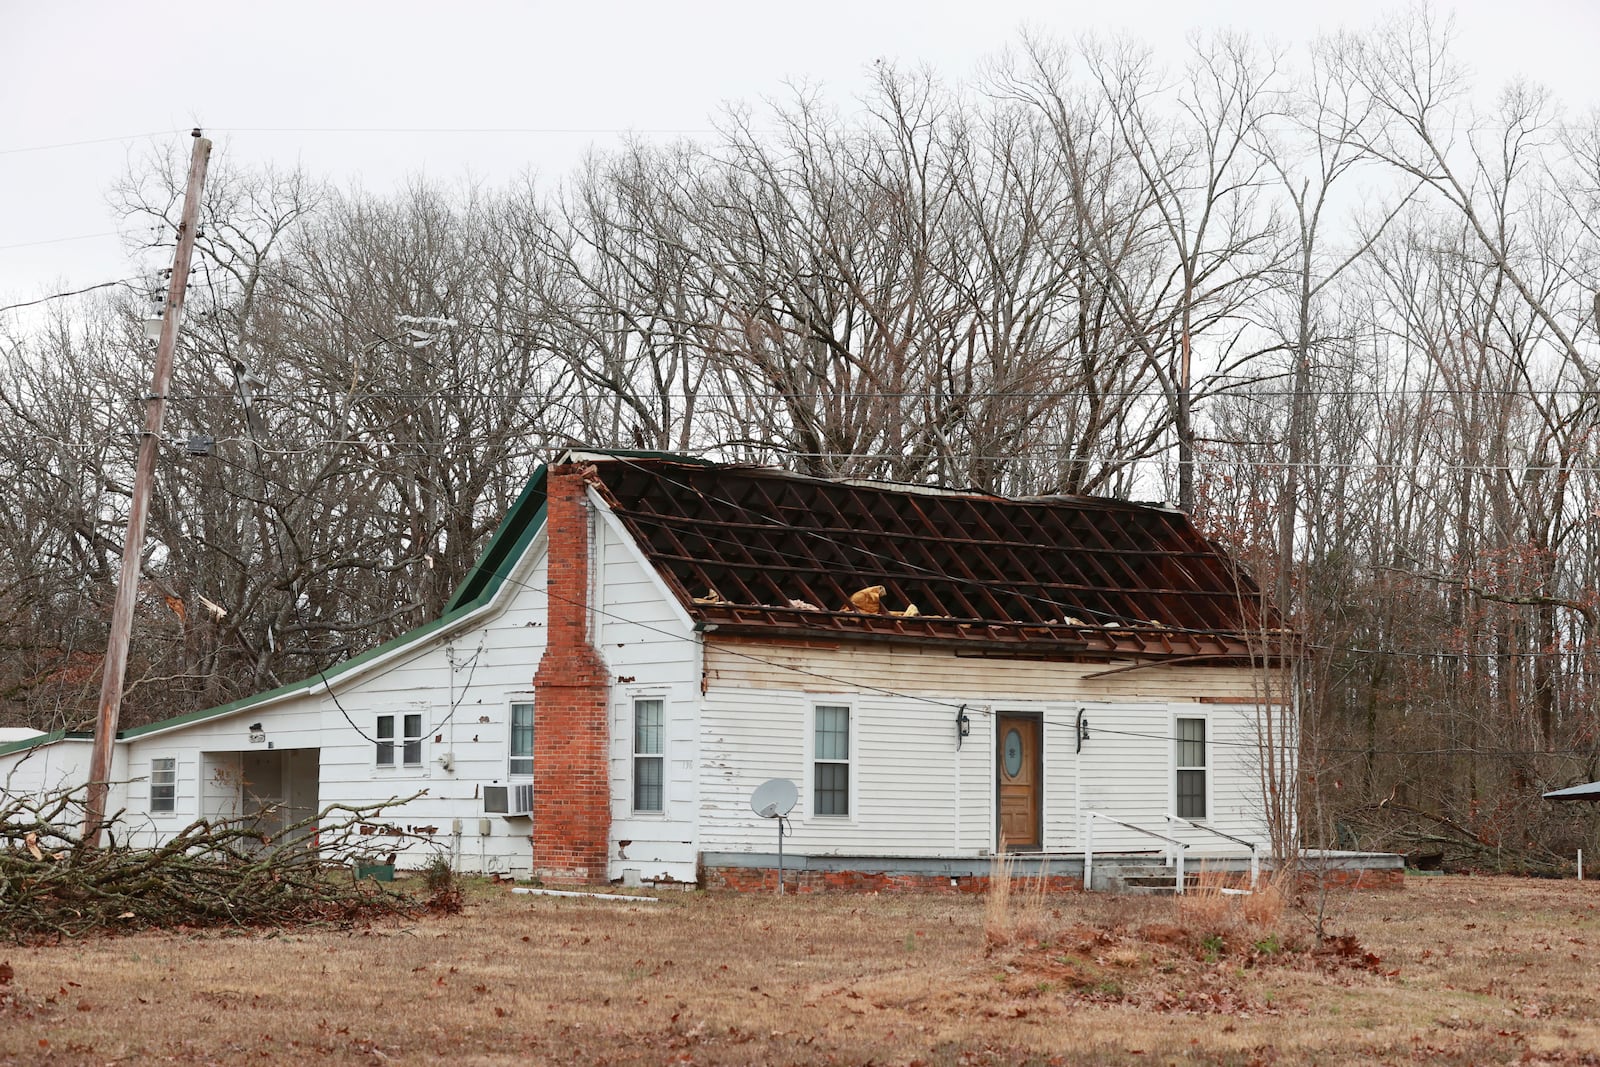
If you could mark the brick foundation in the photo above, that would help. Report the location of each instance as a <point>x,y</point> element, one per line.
<point>758,879</point>
<point>765,879</point>
<point>1358,878</point>
<point>572,790</point>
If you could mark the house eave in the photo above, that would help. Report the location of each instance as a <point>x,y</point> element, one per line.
<point>1224,654</point>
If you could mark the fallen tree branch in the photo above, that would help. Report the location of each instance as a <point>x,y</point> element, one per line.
<point>213,872</point>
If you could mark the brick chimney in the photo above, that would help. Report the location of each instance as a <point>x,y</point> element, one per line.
<point>571,774</point>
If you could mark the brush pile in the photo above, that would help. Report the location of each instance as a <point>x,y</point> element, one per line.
<point>214,872</point>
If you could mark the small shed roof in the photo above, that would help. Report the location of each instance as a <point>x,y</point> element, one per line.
<point>1590,792</point>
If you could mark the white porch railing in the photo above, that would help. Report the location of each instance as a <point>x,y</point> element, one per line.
<point>1088,848</point>
<point>1255,849</point>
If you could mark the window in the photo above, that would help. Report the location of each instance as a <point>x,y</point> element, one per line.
<point>413,741</point>
<point>521,739</point>
<point>386,740</point>
<point>831,761</point>
<point>410,741</point>
<point>1191,734</point>
<point>164,784</point>
<point>649,759</point>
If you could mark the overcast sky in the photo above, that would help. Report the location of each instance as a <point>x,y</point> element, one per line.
<point>364,92</point>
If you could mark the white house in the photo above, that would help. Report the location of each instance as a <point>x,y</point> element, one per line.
<point>648,638</point>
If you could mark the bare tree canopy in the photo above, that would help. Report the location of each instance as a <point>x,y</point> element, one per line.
<point>1330,300</point>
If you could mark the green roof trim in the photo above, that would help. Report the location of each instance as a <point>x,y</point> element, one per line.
<point>506,547</point>
<point>31,742</point>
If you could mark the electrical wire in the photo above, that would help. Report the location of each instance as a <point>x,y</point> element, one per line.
<point>764,519</point>
<point>1071,607</point>
<point>433,447</point>
<point>857,685</point>
<point>623,131</point>
<point>59,296</point>
<point>711,392</point>
<point>59,240</point>
<point>93,141</point>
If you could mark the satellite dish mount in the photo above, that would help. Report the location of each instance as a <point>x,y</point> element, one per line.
<point>774,799</point>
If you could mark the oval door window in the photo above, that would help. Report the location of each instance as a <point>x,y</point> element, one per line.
<point>1013,750</point>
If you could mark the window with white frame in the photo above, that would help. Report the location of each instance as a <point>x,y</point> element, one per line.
<point>164,784</point>
<point>830,759</point>
<point>649,753</point>
<point>521,740</point>
<point>1191,768</point>
<point>410,740</point>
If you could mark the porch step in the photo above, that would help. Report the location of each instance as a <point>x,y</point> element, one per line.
<point>1156,881</point>
<point>1146,878</point>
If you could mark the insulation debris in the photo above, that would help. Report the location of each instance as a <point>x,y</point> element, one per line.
<point>868,600</point>
<point>803,605</point>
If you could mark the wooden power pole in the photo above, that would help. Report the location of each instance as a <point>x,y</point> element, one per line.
<point>116,668</point>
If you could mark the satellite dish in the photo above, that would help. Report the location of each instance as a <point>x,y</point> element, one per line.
<point>775,798</point>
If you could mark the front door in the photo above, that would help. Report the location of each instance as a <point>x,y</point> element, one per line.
<point>1017,780</point>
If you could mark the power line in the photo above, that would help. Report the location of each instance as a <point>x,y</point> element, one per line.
<point>519,131</point>
<point>60,240</point>
<point>478,131</point>
<point>60,296</point>
<point>437,446</point>
<point>855,684</point>
<point>92,141</point>
<point>1228,390</point>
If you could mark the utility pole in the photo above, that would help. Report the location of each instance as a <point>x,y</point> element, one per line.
<point>116,667</point>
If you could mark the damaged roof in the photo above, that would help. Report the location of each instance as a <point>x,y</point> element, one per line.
<point>759,551</point>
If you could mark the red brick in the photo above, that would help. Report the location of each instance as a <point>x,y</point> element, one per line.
<point>571,796</point>
<point>765,879</point>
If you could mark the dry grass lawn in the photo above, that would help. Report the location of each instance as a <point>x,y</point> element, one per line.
<point>1448,970</point>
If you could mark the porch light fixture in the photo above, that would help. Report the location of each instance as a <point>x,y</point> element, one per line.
<point>963,725</point>
<point>1083,729</point>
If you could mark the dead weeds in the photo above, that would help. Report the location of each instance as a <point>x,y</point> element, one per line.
<point>1466,971</point>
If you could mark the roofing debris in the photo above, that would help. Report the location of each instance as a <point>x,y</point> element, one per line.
<point>1063,576</point>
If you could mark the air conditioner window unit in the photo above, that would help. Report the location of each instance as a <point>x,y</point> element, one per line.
<point>508,800</point>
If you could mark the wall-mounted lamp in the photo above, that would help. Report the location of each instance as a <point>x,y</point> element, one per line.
<point>1083,729</point>
<point>258,733</point>
<point>963,725</point>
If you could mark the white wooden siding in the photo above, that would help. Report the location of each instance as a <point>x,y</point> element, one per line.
<point>507,643</point>
<point>652,654</point>
<point>916,796</point>
<point>47,768</point>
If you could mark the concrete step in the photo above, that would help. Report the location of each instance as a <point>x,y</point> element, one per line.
<point>1157,880</point>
